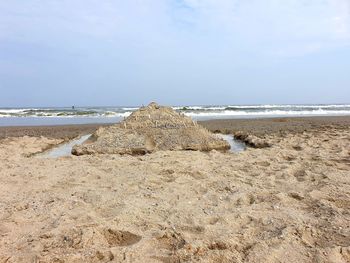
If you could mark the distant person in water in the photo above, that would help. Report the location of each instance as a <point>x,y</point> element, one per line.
<point>73,107</point>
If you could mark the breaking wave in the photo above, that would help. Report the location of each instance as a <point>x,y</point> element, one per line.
<point>193,111</point>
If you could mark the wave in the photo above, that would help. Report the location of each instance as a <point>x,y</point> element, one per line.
<point>268,113</point>
<point>63,113</point>
<point>262,107</point>
<point>316,106</point>
<point>215,111</point>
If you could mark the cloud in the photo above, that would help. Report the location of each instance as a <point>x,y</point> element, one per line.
<point>317,24</point>
<point>173,47</point>
<point>259,26</point>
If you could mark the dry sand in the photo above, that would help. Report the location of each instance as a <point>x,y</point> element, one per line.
<point>286,203</point>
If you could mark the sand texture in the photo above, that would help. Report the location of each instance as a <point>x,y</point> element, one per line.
<point>258,127</point>
<point>289,202</point>
<point>151,129</point>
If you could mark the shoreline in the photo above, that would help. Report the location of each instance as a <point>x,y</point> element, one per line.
<point>258,126</point>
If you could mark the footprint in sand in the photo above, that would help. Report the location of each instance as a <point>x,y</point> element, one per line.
<point>116,238</point>
<point>79,238</point>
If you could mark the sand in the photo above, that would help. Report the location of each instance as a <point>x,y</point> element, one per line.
<point>251,126</point>
<point>54,131</point>
<point>286,203</point>
<point>149,129</point>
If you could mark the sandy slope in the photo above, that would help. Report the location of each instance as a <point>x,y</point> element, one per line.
<point>287,203</point>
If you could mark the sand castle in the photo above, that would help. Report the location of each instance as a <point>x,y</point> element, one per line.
<point>150,129</point>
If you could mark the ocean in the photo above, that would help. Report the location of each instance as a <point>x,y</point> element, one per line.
<point>85,115</point>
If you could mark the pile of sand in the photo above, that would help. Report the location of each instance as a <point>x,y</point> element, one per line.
<point>150,129</point>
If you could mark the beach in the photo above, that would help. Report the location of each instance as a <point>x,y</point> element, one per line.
<point>253,126</point>
<point>174,131</point>
<point>285,199</point>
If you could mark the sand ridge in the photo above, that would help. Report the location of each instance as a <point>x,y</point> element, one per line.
<point>149,129</point>
<point>285,203</point>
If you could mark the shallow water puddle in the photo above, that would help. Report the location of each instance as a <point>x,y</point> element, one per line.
<point>63,149</point>
<point>236,146</point>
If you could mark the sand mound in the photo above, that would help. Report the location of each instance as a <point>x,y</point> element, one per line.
<point>150,129</point>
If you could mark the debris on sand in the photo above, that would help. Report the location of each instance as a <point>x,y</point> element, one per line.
<point>150,129</point>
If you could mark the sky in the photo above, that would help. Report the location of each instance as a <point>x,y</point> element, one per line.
<point>175,52</point>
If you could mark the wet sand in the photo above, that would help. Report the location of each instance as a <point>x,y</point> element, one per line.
<point>251,126</point>
<point>277,125</point>
<point>289,202</point>
<point>54,131</point>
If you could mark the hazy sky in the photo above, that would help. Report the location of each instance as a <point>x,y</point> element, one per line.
<point>104,52</point>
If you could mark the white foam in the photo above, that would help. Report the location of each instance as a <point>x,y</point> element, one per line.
<point>317,106</point>
<point>193,111</point>
<point>268,113</point>
<point>130,108</point>
<point>13,110</point>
